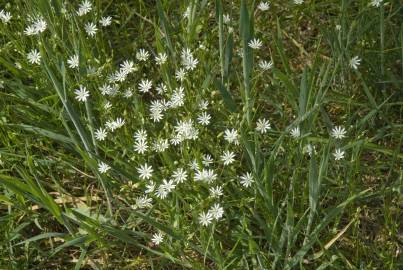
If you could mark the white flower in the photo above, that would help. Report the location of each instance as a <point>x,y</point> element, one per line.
<point>34,57</point>
<point>298,2</point>
<point>105,21</point>
<point>216,211</point>
<point>73,61</point>
<point>207,160</point>
<point>206,175</point>
<point>145,171</point>
<point>376,3</point>
<point>186,131</point>
<point>255,44</point>
<point>82,94</point>
<point>178,98</point>
<point>150,187</point>
<point>180,74</point>
<point>127,67</point>
<point>228,157</point>
<point>161,88</point>
<point>308,149</point>
<point>158,238</point>
<point>38,26</point>
<point>128,93</point>
<point>203,105</point>
<point>112,125</point>
<point>263,125</point>
<point>140,135</point>
<point>91,29</point>
<point>140,146</point>
<point>338,27</point>
<point>247,180</point>
<point>204,119</point>
<point>143,202</point>
<point>205,218</point>
<point>100,134</point>
<point>295,132</point>
<point>186,14</point>
<point>338,132</point>
<point>168,185</point>
<point>161,192</point>
<point>355,62</point>
<point>263,6</point>
<point>231,136</point>
<point>84,8</point>
<point>264,65</point>
<point>105,89</point>
<point>179,175</point>
<point>188,61</point>
<point>216,192</point>
<point>160,145</point>
<point>161,58</point>
<point>145,85</point>
<point>226,18</point>
<point>103,168</point>
<point>338,154</point>
<point>5,16</point>
<point>142,55</point>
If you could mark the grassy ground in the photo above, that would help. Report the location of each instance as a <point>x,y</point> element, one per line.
<point>306,207</point>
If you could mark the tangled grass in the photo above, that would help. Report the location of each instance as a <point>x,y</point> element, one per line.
<point>201,134</point>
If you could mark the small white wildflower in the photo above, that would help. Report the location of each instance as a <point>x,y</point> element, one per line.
<point>205,218</point>
<point>206,175</point>
<point>355,62</point>
<point>168,185</point>
<point>179,175</point>
<point>226,18</point>
<point>338,132</point>
<point>231,136</point>
<point>5,16</point>
<point>207,160</point>
<point>106,21</point>
<point>180,74</point>
<point>338,154</point>
<point>84,8</point>
<point>158,238</point>
<point>161,192</point>
<point>142,55</point>
<point>203,105</point>
<point>160,145</point>
<point>376,3</point>
<point>247,180</point>
<point>264,65</point>
<point>127,67</point>
<point>143,202</point>
<point>150,187</point>
<point>128,93</point>
<point>216,192</point>
<point>140,147</point>
<point>34,57</point>
<point>204,119</point>
<point>145,85</point>
<point>309,149</point>
<point>263,125</point>
<point>161,59</point>
<point>73,61</point>
<point>264,6</point>
<point>82,94</point>
<point>216,211</point>
<point>140,135</point>
<point>161,88</point>
<point>255,44</point>
<point>295,132</point>
<point>103,167</point>
<point>91,29</point>
<point>298,2</point>
<point>228,157</point>
<point>338,27</point>
<point>100,134</point>
<point>145,171</point>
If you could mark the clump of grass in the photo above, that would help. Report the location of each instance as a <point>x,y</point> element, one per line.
<point>200,135</point>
